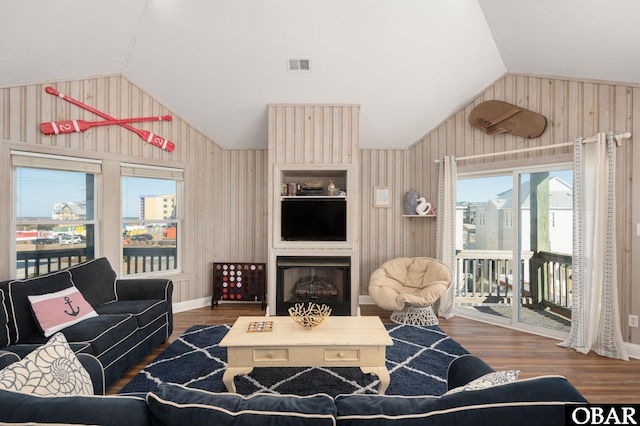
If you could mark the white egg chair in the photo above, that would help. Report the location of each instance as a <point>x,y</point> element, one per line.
<point>409,286</point>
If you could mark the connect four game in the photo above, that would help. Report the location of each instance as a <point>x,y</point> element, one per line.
<point>240,282</point>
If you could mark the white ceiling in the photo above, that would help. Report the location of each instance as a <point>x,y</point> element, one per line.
<point>408,63</point>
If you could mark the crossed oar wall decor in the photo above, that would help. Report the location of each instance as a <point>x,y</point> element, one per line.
<point>73,126</point>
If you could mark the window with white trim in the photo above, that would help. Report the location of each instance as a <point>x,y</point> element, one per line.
<point>481,218</point>
<point>55,211</point>
<point>508,218</point>
<point>151,221</point>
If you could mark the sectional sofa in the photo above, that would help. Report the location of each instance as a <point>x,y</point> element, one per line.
<point>532,402</point>
<point>117,321</point>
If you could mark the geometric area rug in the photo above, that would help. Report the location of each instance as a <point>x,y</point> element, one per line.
<point>417,363</point>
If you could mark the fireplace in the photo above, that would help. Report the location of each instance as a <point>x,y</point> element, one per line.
<point>319,279</point>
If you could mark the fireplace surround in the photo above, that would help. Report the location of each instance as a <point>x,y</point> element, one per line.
<point>319,279</point>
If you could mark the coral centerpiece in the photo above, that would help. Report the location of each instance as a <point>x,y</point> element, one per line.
<point>309,316</point>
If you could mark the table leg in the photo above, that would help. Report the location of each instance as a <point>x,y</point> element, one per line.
<point>231,372</point>
<point>383,375</point>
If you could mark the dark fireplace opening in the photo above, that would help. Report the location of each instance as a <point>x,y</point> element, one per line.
<point>319,279</point>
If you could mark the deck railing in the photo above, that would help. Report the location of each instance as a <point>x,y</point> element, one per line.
<point>136,260</point>
<point>487,275</point>
<point>33,263</point>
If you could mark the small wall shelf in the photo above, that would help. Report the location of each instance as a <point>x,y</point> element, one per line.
<point>418,215</point>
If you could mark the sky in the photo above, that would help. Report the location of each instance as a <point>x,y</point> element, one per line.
<point>484,189</point>
<point>38,190</point>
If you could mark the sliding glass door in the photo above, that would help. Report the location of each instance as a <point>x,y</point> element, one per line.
<point>514,244</point>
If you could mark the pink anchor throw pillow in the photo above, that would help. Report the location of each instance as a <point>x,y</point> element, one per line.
<point>55,311</point>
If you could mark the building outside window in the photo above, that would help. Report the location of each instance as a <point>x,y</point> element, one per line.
<point>55,212</point>
<point>151,222</point>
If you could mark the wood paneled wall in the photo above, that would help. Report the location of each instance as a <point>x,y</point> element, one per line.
<point>573,108</point>
<point>382,230</point>
<point>240,209</point>
<point>314,134</point>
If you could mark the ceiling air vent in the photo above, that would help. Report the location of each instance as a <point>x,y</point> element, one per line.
<point>298,64</point>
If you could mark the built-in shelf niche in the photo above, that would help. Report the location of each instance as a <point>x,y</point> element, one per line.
<point>341,175</point>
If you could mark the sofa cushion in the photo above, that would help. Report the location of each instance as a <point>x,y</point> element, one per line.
<point>4,320</point>
<point>144,311</point>
<point>52,369</point>
<point>21,322</point>
<point>86,410</point>
<point>7,357</point>
<point>538,401</point>
<point>178,405</point>
<point>23,349</point>
<point>58,310</point>
<point>103,333</point>
<point>96,280</point>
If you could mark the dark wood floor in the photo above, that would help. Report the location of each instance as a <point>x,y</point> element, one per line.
<point>599,379</point>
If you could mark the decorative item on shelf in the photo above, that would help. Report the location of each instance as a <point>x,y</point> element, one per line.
<point>332,190</point>
<point>411,202</point>
<point>311,188</point>
<point>424,207</point>
<point>292,188</point>
<point>316,184</point>
<point>309,316</point>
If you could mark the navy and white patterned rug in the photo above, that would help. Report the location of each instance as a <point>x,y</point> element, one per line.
<point>417,363</point>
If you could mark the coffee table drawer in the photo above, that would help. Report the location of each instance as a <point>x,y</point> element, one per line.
<point>341,355</point>
<point>273,355</point>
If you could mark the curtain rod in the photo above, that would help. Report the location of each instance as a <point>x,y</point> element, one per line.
<point>618,138</point>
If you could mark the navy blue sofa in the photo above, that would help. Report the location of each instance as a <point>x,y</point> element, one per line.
<point>531,402</point>
<point>134,316</point>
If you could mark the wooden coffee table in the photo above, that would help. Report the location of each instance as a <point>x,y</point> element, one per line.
<point>340,341</point>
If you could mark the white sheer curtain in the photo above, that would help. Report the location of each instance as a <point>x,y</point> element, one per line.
<point>446,228</point>
<point>595,322</point>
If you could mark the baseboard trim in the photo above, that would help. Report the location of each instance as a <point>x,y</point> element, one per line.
<point>200,303</point>
<point>191,304</point>
<point>633,350</point>
<point>365,300</point>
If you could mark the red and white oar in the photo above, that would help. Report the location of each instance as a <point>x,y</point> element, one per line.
<point>77,126</point>
<point>144,134</point>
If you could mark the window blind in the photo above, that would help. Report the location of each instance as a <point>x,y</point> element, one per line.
<point>55,162</point>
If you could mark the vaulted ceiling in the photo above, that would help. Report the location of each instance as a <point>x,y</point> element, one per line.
<point>408,63</point>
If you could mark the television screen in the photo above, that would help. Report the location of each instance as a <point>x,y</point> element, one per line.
<point>314,219</point>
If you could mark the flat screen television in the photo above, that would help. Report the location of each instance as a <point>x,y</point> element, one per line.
<point>311,219</point>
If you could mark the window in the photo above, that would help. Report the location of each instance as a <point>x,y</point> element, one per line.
<point>524,214</point>
<point>508,219</point>
<point>55,212</point>
<point>150,219</point>
<point>481,218</point>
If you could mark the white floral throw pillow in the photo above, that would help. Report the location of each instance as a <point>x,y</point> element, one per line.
<point>488,380</point>
<point>50,370</point>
